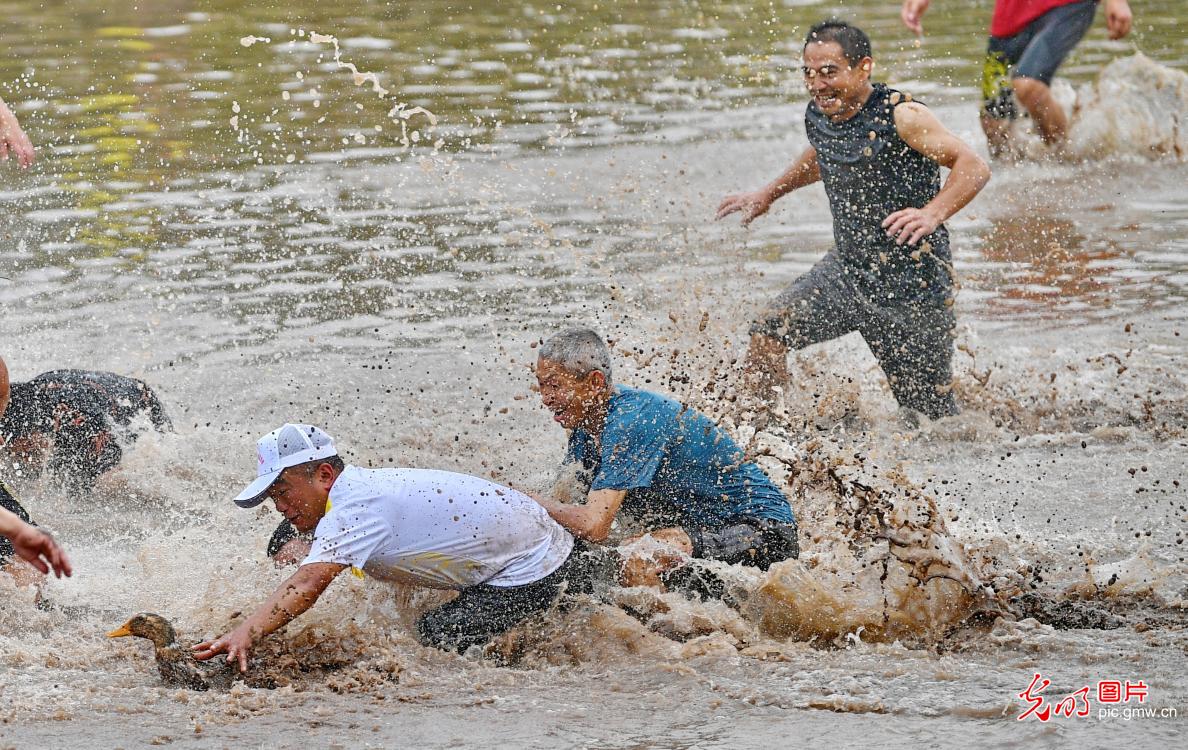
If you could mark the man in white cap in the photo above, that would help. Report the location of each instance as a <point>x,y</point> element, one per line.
<point>438,529</point>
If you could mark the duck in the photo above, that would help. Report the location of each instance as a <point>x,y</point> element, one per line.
<point>176,664</point>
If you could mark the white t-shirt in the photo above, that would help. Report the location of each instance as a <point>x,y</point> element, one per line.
<point>437,529</point>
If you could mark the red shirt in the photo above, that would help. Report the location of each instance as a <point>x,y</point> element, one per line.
<point>1012,16</point>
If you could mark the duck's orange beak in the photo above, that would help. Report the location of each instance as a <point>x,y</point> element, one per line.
<point>121,631</point>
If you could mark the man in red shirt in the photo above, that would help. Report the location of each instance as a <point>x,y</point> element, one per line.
<point>1029,39</point>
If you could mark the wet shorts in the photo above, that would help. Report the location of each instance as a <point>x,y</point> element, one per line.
<point>756,542</point>
<point>913,342</point>
<point>9,502</point>
<point>480,613</point>
<point>1035,52</point>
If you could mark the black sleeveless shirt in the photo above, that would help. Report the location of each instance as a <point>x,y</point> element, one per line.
<point>869,173</point>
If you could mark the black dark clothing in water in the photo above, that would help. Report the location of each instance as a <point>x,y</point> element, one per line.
<point>898,297</point>
<point>85,415</point>
<point>480,613</point>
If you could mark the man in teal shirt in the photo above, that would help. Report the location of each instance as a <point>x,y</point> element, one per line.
<point>667,465</point>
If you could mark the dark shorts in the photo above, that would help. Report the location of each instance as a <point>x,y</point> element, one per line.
<point>9,502</point>
<point>756,542</point>
<point>480,613</point>
<point>1035,52</point>
<point>913,341</point>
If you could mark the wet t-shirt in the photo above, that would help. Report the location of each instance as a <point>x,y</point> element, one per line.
<point>676,465</point>
<point>869,172</point>
<point>437,529</point>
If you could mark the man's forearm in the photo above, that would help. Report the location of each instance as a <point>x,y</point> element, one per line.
<point>291,599</point>
<point>968,175</point>
<point>10,523</point>
<point>8,120</point>
<point>804,171</point>
<point>591,521</point>
<point>575,518</point>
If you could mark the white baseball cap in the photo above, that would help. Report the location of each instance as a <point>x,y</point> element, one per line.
<point>288,445</point>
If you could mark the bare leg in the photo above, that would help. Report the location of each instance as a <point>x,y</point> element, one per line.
<point>114,483</point>
<point>1049,116</point>
<point>997,131</point>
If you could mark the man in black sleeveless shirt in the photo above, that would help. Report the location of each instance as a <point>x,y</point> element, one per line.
<point>890,276</point>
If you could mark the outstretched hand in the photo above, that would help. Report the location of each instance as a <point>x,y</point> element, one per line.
<point>237,645</point>
<point>752,205</point>
<point>40,549</point>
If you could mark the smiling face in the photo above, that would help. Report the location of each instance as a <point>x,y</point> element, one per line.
<point>301,496</point>
<point>577,401</point>
<point>839,88</point>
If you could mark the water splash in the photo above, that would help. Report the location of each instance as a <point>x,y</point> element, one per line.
<point>879,561</point>
<point>1136,108</point>
<point>400,112</point>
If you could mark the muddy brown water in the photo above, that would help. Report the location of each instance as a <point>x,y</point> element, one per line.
<point>303,264</point>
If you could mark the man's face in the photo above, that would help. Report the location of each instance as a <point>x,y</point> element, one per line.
<point>301,497</point>
<point>573,399</point>
<point>838,87</point>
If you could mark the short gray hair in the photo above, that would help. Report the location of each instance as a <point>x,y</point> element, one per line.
<point>580,351</point>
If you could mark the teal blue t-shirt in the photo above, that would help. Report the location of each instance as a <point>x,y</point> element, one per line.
<point>676,465</point>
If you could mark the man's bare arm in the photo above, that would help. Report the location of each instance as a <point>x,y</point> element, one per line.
<point>591,521</point>
<point>290,599</point>
<point>804,171</point>
<point>968,174</point>
<point>34,545</point>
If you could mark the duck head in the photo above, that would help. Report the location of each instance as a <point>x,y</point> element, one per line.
<point>148,625</point>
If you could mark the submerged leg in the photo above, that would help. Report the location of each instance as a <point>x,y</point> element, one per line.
<point>482,612</point>
<point>914,347</point>
<point>818,306</point>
